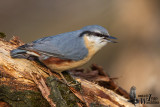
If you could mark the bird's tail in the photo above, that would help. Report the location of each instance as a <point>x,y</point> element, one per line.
<point>19,53</point>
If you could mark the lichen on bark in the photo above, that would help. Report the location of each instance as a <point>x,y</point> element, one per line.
<point>25,98</point>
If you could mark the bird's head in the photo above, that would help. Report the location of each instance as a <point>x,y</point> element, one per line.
<point>97,35</point>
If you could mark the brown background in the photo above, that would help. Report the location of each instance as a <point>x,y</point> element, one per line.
<point>135,60</point>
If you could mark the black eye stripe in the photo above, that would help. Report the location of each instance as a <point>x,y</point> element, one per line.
<point>93,33</point>
<point>86,32</point>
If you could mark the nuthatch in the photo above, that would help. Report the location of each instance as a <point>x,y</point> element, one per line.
<point>67,50</point>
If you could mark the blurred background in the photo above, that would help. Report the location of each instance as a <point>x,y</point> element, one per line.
<point>135,60</point>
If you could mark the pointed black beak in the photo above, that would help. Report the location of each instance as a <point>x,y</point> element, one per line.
<point>108,38</point>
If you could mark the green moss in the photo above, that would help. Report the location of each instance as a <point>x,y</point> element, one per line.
<point>25,98</point>
<point>61,94</point>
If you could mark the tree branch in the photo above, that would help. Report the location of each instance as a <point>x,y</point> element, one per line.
<point>24,82</point>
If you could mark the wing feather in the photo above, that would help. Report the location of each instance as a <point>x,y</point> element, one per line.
<point>65,46</point>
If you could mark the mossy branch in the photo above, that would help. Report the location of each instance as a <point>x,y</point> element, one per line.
<point>25,83</point>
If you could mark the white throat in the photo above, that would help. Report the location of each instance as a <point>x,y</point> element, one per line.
<point>96,42</point>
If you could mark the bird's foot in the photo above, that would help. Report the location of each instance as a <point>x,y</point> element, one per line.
<point>74,84</point>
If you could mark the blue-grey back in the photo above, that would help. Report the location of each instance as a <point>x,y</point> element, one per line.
<point>65,46</point>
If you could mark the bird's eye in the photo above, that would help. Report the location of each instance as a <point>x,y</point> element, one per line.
<point>93,33</point>
<point>101,35</point>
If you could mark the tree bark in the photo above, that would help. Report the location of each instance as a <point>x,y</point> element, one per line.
<point>25,83</point>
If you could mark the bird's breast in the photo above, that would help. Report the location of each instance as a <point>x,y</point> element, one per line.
<point>59,65</point>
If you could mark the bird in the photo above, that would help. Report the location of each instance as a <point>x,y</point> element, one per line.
<point>67,50</point>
